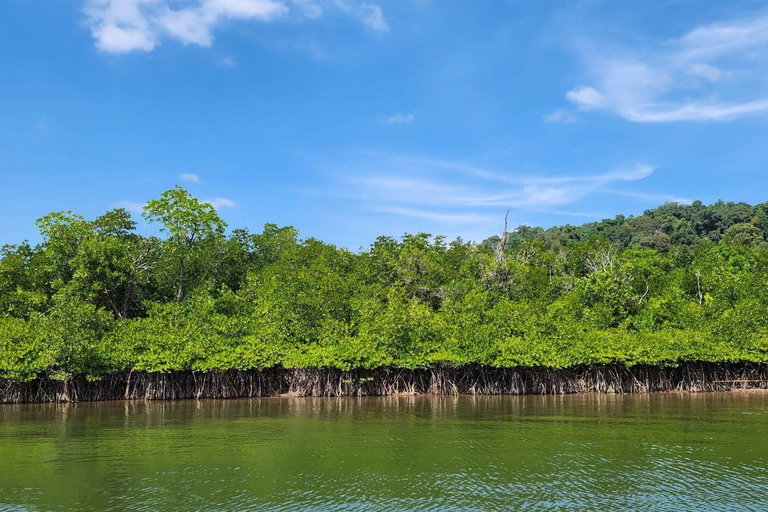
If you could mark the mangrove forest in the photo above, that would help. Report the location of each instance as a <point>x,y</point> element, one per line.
<point>674,298</point>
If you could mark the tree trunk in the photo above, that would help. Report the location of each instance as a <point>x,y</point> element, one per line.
<point>179,292</point>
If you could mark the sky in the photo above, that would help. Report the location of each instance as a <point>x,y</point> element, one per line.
<point>352,119</point>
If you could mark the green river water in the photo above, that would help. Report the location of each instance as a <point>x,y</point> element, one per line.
<point>704,452</point>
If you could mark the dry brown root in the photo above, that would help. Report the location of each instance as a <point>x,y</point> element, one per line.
<point>470,379</point>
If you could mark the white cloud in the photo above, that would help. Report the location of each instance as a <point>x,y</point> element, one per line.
<point>682,79</point>
<point>374,18</point>
<point>560,116</point>
<point>586,97</point>
<point>401,119</point>
<point>220,202</point>
<point>449,192</point>
<point>446,218</point>
<point>194,178</point>
<point>309,8</point>
<point>122,26</point>
<point>711,73</point>
<point>449,196</point>
<point>722,38</point>
<point>370,15</point>
<point>228,62</point>
<point>656,198</point>
<point>693,111</point>
<point>131,206</point>
<point>636,172</point>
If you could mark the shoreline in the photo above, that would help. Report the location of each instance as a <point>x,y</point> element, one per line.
<point>465,380</point>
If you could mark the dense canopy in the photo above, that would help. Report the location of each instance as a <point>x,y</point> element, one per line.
<point>678,283</point>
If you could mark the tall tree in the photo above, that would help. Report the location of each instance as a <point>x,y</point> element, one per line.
<point>188,222</point>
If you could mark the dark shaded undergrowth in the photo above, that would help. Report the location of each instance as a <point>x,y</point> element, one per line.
<point>693,377</point>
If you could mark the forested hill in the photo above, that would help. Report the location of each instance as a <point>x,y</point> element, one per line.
<point>661,228</point>
<point>678,283</point>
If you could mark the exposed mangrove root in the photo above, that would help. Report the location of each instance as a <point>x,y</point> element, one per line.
<point>473,380</point>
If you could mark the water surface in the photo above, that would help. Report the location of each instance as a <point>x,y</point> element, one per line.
<point>673,452</point>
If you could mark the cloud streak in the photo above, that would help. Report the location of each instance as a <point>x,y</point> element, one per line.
<point>448,195</point>
<point>711,73</point>
<point>220,202</point>
<point>560,116</point>
<point>131,206</point>
<point>441,217</point>
<point>526,192</point>
<point>194,178</point>
<point>401,119</point>
<point>123,26</point>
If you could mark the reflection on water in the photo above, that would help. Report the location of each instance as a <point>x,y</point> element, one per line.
<point>579,452</point>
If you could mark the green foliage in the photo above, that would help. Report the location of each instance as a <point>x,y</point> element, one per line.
<point>194,231</point>
<point>184,218</point>
<point>679,283</point>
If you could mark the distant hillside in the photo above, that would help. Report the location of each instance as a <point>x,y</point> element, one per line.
<point>659,228</point>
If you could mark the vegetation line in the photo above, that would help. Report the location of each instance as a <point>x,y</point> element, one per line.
<point>626,304</point>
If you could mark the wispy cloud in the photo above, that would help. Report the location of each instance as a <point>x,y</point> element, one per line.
<point>220,202</point>
<point>407,190</point>
<point>656,198</point>
<point>713,72</point>
<point>634,172</point>
<point>441,217</point>
<point>560,116</point>
<point>131,206</point>
<point>586,97</point>
<point>401,119</point>
<point>122,26</point>
<point>194,178</point>
<point>447,195</point>
<point>228,62</point>
<point>373,18</point>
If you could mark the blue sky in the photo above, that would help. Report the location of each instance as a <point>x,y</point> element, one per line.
<point>352,119</point>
